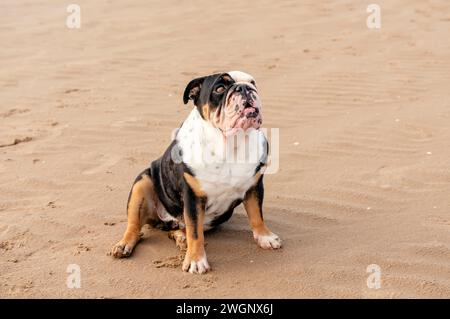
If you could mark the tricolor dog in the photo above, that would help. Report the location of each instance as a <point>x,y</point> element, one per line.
<point>215,162</point>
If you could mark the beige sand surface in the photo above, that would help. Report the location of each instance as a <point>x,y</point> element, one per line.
<point>364,144</point>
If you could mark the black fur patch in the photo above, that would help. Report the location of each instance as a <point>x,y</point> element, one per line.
<point>208,90</point>
<point>257,190</point>
<point>227,215</point>
<point>167,177</point>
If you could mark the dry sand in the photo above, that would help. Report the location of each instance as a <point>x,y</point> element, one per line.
<point>364,144</point>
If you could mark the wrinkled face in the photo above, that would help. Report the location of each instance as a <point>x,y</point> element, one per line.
<point>229,101</point>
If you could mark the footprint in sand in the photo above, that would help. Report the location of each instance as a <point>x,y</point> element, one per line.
<point>171,262</point>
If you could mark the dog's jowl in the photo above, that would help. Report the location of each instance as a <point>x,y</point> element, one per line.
<point>215,163</point>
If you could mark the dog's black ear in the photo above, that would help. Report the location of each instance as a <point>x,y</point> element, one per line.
<point>192,91</point>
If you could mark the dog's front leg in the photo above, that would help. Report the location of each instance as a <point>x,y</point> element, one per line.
<point>253,202</point>
<point>194,214</point>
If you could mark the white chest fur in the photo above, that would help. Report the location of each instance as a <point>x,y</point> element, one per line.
<point>225,168</point>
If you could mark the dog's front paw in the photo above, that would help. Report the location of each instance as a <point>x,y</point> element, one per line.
<point>268,241</point>
<point>125,247</point>
<point>196,265</point>
<point>121,250</point>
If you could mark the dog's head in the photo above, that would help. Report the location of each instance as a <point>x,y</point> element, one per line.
<point>229,101</point>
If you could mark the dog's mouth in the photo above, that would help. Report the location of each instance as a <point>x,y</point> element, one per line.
<point>251,112</point>
<point>241,112</point>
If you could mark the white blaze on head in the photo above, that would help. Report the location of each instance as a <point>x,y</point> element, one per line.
<point>242,77</point>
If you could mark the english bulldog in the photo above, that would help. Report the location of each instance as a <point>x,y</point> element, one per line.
<point>215,162</point>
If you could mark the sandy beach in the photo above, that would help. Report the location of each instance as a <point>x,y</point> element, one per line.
<point>364,144</point>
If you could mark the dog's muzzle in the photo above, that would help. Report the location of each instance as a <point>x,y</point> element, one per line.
<point>241,110</point>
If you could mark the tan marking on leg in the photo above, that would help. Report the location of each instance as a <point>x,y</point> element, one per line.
<point>195,260</point>
<point>255,216</point>
<point>261,233</point>
<point>195,245</point>
<point>142,199</point>
<point>194,184</point>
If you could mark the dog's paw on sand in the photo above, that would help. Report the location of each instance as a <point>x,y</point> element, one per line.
<point>121,250</point>
<point>271,241</point>
<point>125,247</point>
<point>200,266</point>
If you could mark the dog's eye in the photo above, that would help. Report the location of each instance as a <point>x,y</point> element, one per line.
<point>220,89</point>
<point>253,82</point>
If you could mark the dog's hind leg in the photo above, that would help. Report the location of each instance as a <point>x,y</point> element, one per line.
<point>179,235</point>
<point>141,207</point>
